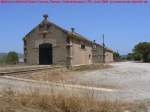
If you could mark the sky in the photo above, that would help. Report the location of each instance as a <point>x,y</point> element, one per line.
<point>123,25</point>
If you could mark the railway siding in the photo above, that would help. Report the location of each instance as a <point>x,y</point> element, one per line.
<point>27,69</point>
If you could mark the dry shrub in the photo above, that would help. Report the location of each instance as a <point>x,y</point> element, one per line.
<point>58,76</point>
<point>57,102</point>
<point>91,67</point>
<point>50,76</point>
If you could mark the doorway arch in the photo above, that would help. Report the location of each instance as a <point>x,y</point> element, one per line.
<point>45,54</point>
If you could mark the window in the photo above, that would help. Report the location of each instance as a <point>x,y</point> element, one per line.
<point>82,45</point>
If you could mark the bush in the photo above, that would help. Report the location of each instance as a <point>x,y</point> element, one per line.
<point>143,49</point>
<point>3,59</point>
<point>137,57</point>
<point>148,57</point>
<point>130,56</point>
<point>12,58</point>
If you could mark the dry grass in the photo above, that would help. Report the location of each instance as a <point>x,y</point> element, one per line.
<point>36,102</point>
<point>67,76</point>
<point>48,75</point>
<point>52,76</point>
<point>91,67</point>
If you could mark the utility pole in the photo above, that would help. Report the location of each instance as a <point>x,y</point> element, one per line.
<point>103,49</point>
<point>70,48</point>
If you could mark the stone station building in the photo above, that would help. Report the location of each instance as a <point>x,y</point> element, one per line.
<point>48,43</point>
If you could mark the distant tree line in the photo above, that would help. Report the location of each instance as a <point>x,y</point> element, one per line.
<point>141,52</point>
<point>9,58</point>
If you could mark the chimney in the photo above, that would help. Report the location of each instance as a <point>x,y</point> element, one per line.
<point>45,16</point>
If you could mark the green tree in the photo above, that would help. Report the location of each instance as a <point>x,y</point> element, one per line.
<point>137,56</point>
<point>3,59</point>
<point>12,58</point>
<point>143,48</point>
<point>148,57</point>
<point>130,56</point>
<point>123,57</point>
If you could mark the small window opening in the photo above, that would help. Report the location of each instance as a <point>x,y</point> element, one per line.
<point>82,45</point>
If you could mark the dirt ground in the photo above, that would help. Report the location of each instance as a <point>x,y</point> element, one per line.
<point>66,77</point>
<point>130,78</point>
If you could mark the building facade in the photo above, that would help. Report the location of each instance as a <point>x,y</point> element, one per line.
<point>48,43</point>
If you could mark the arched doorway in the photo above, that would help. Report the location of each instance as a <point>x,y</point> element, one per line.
<point>45,54</point>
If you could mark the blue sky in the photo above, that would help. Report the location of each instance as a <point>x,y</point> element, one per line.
<point>124,25</point>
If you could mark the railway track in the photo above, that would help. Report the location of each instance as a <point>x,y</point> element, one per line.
<point>26,69</point>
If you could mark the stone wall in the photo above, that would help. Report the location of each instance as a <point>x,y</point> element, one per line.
<point>55,36</point>
<point>108,56</point>
<point>81,56</point>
